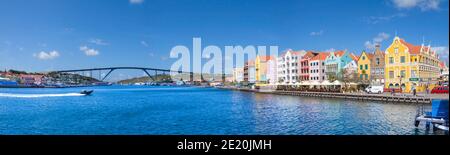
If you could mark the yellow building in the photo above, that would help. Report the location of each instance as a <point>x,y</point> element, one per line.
<point>364,66</point>
<point>409,66</point>
<point>261,68</point>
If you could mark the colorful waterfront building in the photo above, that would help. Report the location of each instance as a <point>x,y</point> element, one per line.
<point>304,65</point>
<point>409,66</point>
<point>238,74</point>
<point>350,70</point>
<point>377,66</point>
<point>272,71</point>
<point>288,65</point>
<point>443,68</point>
<point>31,79</point>
<point>364,62</point>
<point>250,72</point>
<point>317,67</point>
<point>335,62</point>
<point>261,68</point>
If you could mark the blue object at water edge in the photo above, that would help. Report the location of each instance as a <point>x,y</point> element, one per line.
<point>439,108</point>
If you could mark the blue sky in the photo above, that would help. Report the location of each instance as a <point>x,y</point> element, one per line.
<point>42,35</point>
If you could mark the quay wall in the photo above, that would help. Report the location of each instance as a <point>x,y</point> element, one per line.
<point>402,98</point>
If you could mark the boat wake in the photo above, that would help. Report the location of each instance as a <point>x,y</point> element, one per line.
<point>39,95</point>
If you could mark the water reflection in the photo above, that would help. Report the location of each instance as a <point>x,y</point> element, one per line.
<point>149,110</point>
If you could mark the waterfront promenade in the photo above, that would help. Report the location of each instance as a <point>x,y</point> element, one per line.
<point>384,97</point>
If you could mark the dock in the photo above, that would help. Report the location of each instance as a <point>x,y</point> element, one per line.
<point>398,98</point>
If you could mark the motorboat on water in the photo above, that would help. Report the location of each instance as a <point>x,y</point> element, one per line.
<point>86,92</point>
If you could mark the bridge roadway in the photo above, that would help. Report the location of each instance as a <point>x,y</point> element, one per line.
<point>111,69</point>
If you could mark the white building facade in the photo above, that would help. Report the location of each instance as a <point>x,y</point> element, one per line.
<point>317,67</point>
<point>288,67</point>
<point>238,75</point>
<point>272,71</point>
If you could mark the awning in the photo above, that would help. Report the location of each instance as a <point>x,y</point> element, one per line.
<point>326,83</point>
<point>315,83</point>
<point>336,83</point>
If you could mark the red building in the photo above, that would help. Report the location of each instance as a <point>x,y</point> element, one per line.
<point>304,65</point>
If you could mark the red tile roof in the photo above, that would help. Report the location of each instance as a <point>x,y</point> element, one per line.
<point>266,58</point>
<point>292,52</point>
<point>354,57</point>
<point>321,56</point>
<point>309,54</point>
<point>441,64</point>
<point>413,49</point>
<point>370,55</point>
<point>339,53</point>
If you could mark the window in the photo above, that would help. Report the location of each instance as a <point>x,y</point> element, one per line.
<point>413,73</point>
<point>391,74</point>
<point>402,59</point>
<point>361,76</point>
<point>360,67</point>
<point>391,60</point>
<point>367,66</point>
<point>403,73</point>
<point>378,61</point>
<point>364,58</point>
<point>396,50</point>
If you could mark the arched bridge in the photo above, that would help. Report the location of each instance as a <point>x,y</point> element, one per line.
<point>111,69</point>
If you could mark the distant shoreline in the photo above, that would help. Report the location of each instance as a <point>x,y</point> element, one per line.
<point>30,87</point>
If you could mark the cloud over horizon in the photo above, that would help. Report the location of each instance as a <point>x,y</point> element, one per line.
<point>47,55</point>
<point>89,51</point>
<point>370,45</point>
<point>381,19</point>
<point>424,5</point>
<point>443,53</point>
<point>98,42</point>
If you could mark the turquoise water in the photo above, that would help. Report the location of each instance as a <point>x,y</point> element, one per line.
<point>188,110</point>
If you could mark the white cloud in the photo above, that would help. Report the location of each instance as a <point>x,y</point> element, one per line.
<point>151,54</point>
<point>98,42</point>
<point>319,33</point>
<point>424,5</point>
<point>380,19</point>
<point>377,40</point>
<point>144,43</point>
<point>136,1</point>
<point>47,55</point>
<point>89,51</point>
<point>442,51</point>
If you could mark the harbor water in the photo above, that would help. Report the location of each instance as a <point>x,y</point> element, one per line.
<point>150,110</point>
